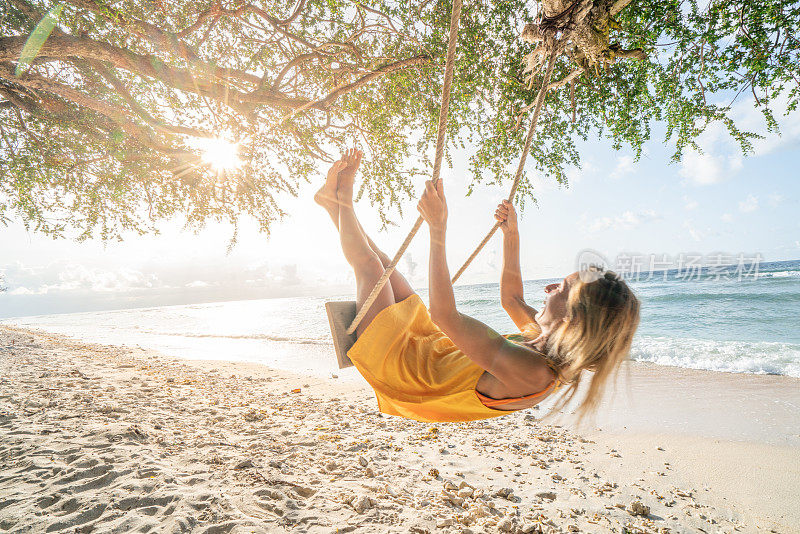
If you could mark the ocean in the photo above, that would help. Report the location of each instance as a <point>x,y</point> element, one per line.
<point>720,319</point>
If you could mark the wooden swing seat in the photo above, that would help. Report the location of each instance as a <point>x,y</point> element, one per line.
<point>340,316</point>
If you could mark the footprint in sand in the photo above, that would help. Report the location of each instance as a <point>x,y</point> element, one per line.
<point>303,491</point>
<point>99,482</point>
<point>69,506</point>
<point>274,495</point>
<point>85,464</point>
<point>92,472</point>
<point>147,472</point>
<point>146,504</point>
<point>272,507</point>
<point>78,519</point>
<point>47,501</point>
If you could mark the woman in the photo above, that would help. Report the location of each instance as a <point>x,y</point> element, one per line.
<point>445,366</point>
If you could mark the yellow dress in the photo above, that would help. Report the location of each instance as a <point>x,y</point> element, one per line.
<point>416,371</point>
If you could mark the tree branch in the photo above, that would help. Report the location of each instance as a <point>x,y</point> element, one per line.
<point>565,80</point>
<point>277,24</point>
<point>63,46</point>
<point>380,71</point>
<point>633,53</point>
<point>201,18</point>
<point>56,111</point>
<point>157,36</point>
<point>160,125</point>
<point>145,30</point>
<point>28,10</point>
<point>295,61</point>
<point>114,113</point>
<point>618,6</point>
<point>301,4</point>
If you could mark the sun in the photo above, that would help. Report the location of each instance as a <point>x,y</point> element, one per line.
<point>219,153</point>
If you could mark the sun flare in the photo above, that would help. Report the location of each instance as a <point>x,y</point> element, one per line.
<point>220,154</point>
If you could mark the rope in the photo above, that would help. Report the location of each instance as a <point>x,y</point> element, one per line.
<point>528,141</point>
<point>437,164</point>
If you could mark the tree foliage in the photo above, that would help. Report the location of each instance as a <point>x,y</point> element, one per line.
<point>97,130</point>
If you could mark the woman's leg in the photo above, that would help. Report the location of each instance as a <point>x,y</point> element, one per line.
<point>402,289</point>
<point>355,246</point>
<point>327,198</point>
<point>365,263</point>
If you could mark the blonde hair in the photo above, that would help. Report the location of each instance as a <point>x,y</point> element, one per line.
<point>596,335</point>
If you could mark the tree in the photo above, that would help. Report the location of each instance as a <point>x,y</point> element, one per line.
<point>99,128</point>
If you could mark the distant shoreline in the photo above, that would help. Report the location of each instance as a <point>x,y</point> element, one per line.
<point>76,302</point>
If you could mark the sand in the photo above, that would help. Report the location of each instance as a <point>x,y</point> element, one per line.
<point>112,439</point>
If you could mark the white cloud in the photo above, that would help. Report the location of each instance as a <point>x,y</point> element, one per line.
<point>20,291</point>
<point>67,276</point>
<point>689,203</point>
<point>720,156</point>
<point>749,117</point>
<point>410,271</point>
<point>708,168</point>
<point>694,233</point>
<point>289,275</point>
<point>78,278</point>
<point>727,217</point>
<point>774,199</point>
<point>628,219</point>
<point>624,167</point>
<point>749,204</point>
<point>576,175</point>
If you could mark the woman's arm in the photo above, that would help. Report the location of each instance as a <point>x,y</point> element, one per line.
<point>510,363</point>
<point>511,292</point>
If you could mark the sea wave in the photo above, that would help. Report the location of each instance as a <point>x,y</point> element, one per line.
<point>762,297</point>
<point>729,356</point>
<point>478,302</point>
<point>255,337</point>
<point>779,274</point>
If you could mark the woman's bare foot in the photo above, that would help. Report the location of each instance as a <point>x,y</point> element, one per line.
<point>326,196</point>
<point>347,176</point>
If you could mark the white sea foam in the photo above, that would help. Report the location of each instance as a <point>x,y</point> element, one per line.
<point>729,356</point>
<point>779,274</point>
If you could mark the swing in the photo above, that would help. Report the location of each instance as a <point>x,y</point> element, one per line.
<point>344,313</point>
<point>340,315</point>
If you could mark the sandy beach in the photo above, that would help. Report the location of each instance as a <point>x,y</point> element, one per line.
<point>100,438</point>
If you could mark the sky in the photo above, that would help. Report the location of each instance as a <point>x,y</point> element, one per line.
<point>714,202</point>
